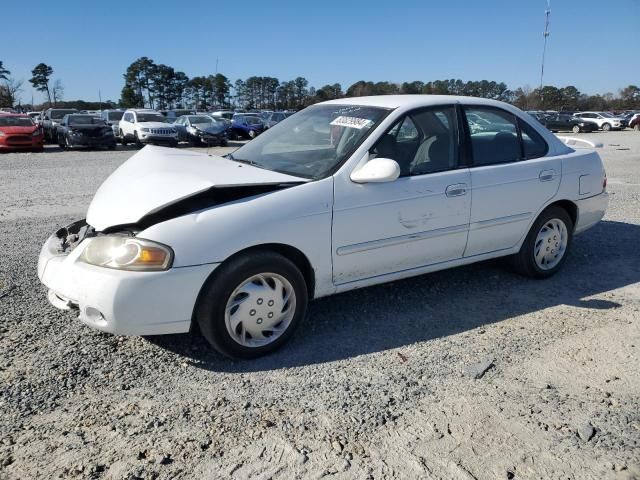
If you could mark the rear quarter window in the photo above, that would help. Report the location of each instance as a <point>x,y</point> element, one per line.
<point>533,145</point>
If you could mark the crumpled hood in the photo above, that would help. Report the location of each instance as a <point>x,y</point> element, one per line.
<point>157,176</point>
<point>215,129</point>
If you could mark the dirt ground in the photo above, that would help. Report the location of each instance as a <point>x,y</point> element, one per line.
<point>379,383</point>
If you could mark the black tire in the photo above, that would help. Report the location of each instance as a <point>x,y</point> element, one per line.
<point>136,140</point>
<point>173,144</point>
<point>123,139</point>
<point>212,301</point>
<point>61,142</point>
<point>111,146</point>
<point>576,129</point>
<point>524,262</point>
<point>606,127</point>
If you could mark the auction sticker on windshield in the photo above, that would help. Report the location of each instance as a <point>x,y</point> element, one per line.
<point>352,122</point>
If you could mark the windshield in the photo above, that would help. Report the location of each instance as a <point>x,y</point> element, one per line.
<point>201,119</point>
<point>58,114</point>
<point>253,120</point>
<point>115,115</point>
<point>15,122</point>
<point>85,120</point>
<point>151,117</point>
<point>313,142</point>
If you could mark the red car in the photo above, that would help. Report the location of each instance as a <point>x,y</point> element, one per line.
<point>18,132</point>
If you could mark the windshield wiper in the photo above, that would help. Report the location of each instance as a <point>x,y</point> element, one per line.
<point>248,162</point>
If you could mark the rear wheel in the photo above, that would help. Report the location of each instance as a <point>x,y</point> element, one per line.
<point>545,248</point>
<point>252,304</point>
<point>606,127</point>
<point>123,139</point>
<point>576,129</point>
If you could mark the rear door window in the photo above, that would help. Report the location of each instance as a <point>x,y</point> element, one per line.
<point>494,136</point>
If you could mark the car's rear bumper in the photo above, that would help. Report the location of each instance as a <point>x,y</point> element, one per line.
<point>121,302</point>
<point>590,211</point>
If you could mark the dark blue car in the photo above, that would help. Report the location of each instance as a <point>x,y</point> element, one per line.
<point>246,126</point>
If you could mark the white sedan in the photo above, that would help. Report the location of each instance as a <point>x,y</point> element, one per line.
<point>342,195</point>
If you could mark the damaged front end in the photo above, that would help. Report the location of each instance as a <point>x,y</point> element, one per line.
<point>65,239</point>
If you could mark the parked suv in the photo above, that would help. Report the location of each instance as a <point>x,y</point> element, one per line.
<point>605,120</point>
<point>142,126</point>
<point>50,119</point>
<point>112,118</point>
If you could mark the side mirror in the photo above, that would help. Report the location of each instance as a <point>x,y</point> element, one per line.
<point>377,170</point>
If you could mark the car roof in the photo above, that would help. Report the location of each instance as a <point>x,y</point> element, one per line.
<point>411,101</point>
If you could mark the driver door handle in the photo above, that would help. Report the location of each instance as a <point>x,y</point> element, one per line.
<point>456,190</point>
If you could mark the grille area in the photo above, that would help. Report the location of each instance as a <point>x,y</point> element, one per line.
<point>161,131</point>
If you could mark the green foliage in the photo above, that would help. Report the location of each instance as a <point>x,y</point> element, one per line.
<point>40,78</point>
<point>4,73</point>
<point>160,86</point>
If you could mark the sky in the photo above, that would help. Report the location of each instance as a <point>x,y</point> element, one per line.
<point>593,45</point>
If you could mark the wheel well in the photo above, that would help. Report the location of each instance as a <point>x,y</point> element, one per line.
<point>570,207</point>
<point>296,256</point>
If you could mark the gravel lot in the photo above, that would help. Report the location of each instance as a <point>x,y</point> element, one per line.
<point>379,383</point>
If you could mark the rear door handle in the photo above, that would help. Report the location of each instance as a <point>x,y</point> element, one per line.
<point>546,175</point>
<point>456,190</point>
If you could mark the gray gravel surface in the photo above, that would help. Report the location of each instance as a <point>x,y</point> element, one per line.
<point>382,382</point>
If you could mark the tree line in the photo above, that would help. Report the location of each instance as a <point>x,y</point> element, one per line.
<point>159,86</point>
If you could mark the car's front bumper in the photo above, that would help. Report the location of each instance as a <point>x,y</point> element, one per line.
<point>21,142</point>
<point>121,302</point>
<point>590,211</point>
<point>152,138</point>
<point>84,141</point>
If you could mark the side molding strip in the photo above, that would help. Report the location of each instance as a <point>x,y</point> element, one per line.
<point>388,242</point>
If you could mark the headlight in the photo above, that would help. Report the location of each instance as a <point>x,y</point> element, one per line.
<point>127,253</point>
<point>144,129</point>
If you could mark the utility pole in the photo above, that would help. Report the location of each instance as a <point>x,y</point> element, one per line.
<point>545,34</point>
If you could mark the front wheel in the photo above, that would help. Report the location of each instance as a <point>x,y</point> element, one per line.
<point>576,129</point>
<point>123,139</point>
<point>606,127</point>
<point>252,134</point>
<point>252,304</point>
<point>636,127</point>
<point>136,140</point>
<point>545,248</point>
